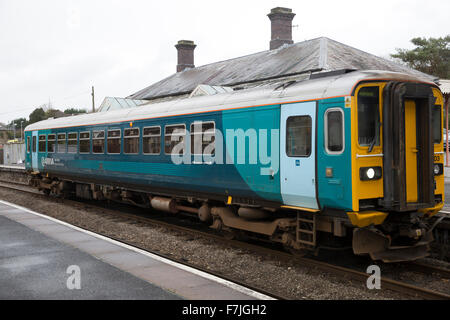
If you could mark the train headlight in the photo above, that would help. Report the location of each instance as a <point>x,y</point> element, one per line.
<point>370,173</point>
<point>438,169</point>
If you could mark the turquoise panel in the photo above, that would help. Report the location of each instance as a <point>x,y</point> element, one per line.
<point>335,191</point>
<point>27,154</point>
<point>159,170</point>
<point>252,146</point>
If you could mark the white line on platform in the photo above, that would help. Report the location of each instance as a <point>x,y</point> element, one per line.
<point>202,274</point>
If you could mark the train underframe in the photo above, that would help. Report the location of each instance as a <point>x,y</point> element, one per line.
<point>403,236</point>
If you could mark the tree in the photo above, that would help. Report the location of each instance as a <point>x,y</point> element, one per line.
<point>431,56</point>
<point>16,126</point>
<point>37,115</point>
<point>55,113</point>
<point>74,111</point>
<point>16,123</point>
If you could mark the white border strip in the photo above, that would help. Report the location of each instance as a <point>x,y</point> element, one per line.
<point>202,274</point>
<point>369,155</point>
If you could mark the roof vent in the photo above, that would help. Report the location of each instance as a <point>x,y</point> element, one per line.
<point>206,90</point>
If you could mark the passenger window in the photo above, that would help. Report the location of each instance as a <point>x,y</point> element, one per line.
<point>61,142</point>
<point>174,137</point>
<point>436,126</point>
<point>51,143</point>
<point>85,142</point>
<point>152,140</point>
<point>368,116</point>
<point>334,131</point>
<point>34,143</point>
<point>113,141</point>
<point>72,143</point>
<point>98,142</point>
<point>28,145</point>
<point>131,141</point>
<point>41,146</point>
<point>202,136</point>
<point>298,136</point>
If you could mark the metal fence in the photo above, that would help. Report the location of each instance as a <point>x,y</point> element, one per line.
<point>13,153</point>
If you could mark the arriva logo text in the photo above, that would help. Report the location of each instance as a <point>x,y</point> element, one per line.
<point>47,161</point>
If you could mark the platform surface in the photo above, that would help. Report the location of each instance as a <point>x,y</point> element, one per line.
<point>38,255</point>
<point>13,168</point>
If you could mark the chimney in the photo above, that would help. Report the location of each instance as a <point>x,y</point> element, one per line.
<point>281,19</point>
<point>185,54</point>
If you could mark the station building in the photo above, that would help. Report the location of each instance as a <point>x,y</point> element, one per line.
<point>284,61</point>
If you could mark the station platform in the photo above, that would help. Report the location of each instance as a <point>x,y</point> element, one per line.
<point>44,258</point>
<point>13,168</point>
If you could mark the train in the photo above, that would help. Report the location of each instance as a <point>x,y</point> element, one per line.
<point>352,159</point>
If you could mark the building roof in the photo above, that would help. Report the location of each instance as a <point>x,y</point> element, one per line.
<point>444,86</point>
<point>115,103</point>
<point>316,55</point>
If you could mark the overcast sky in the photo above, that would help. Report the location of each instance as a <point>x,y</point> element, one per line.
<point>55,50</point>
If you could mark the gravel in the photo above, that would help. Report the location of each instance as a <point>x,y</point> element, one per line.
<point>262,271</point>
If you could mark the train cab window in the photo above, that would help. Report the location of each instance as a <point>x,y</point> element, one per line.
<point>174,136</point>
<point>34,143</point>
<point>28,145</point>
<point>436,125</point>
<point>203,138</point>
<point>298,136</point>
<point>51,141</point>
<point>334,131</point>
<point>41,146</point>
<point>61,142</point>
<point>85,142</point>
<point>131,141</point>
<point>72,142</point>
<point>113,141</point>
<point>151,138</point>
<point>369,116</point>
<point>98,141</point>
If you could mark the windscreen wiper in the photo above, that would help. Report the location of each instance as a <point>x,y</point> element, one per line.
<point>375,138</point>
<point>377,133</point>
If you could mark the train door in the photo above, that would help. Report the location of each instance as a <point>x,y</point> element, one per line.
<point>408,177</point>
<point>297,154</point>
<point>34,154</point>
<point>411,151</point>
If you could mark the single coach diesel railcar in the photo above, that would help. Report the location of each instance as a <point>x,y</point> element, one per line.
<point>355,157</point>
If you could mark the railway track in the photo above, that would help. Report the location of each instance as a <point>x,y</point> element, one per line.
<point>386,283</point>
<point>429,269</point>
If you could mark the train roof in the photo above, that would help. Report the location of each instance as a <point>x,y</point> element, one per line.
<point>339,85</point>
<point>316,55</point>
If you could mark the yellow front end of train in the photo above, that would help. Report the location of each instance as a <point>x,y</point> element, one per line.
<point>397,167</point>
